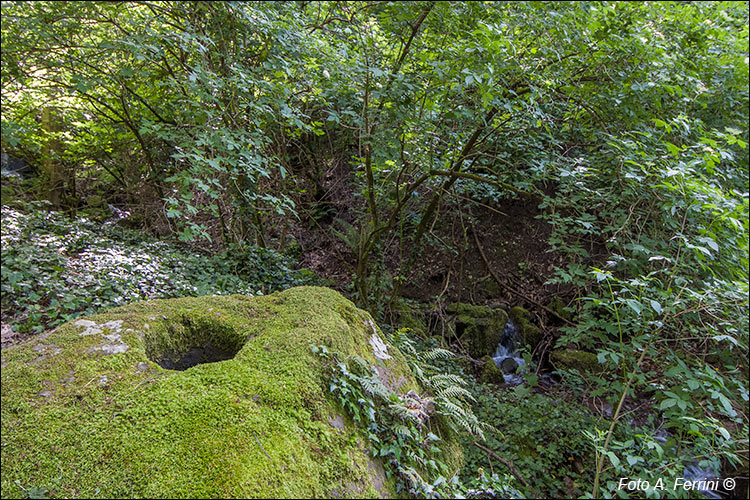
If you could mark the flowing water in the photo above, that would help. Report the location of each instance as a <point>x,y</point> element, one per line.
<point>693,471</point>
<point>506,355</point>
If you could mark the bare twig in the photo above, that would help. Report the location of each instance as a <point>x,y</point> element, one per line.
<point>508,464</point>
<point>469,358</point>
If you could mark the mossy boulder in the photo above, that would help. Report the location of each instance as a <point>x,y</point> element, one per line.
<point>530,334</point>
<point>197,397</point>
<point>490,373</point>
<point>479,327</point>
<point>571,358</point>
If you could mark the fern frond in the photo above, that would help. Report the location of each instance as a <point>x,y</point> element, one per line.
<point>374,386</point>
<point>450,409</point>
<point>401,429</point>
<point>446,379</point>
<point>404,413</point>
<point>437,353</point>
<point>455,391</point>
<point>460,417</point>
<point>359,364</point>
<point>350,235</point>
<point>418,372</point>
<point>415,480</point>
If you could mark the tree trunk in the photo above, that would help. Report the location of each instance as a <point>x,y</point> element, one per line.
<point>53,171</point>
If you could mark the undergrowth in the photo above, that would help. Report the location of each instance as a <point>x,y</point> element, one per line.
<point>401,428</point>
<point>55,269</point>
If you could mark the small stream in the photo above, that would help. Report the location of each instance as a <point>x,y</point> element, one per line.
<point>693,471</point>
<point>506,355</point>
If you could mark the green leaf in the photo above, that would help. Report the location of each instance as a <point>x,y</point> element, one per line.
<point>656,306</point>
<point>667,403</point>
<point>634,305</point>
<point>727,405</point>
<point>613,458</point>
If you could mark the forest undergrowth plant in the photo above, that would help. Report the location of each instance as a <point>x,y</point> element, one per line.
<point>55,269</point>
<point>400,429</point>
<point>540,435</point>
<point>640,456</point>
<point>667,311</point>
<point>691,393</point>
<point>449,390</point>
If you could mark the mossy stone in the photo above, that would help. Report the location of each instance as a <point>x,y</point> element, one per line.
<point>490,373</point>
<point>572,358</point>
<point>480,327</point>
<point>89,411</point>
<point>468,309</point>
<point>509,365</point>
<point>531,334</point>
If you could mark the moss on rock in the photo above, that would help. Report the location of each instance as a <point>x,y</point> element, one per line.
<point>480,327</point>
<point>531,334</point>
<point>490,373</point>
<point>571,358</point>
<point>90,403</point>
